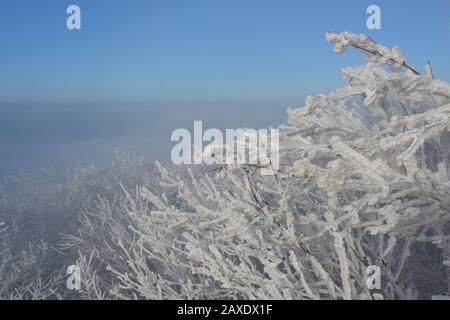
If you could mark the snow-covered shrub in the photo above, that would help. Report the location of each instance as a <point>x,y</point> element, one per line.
<point>37,207</point>
<point>363,180</point>
<point>26,274</point>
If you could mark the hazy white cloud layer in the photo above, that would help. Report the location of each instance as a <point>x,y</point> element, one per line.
<point>53,135</point>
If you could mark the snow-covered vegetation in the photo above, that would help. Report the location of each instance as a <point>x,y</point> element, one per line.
<point>363,180</point>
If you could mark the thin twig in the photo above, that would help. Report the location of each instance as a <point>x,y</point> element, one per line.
<point>381,55</point>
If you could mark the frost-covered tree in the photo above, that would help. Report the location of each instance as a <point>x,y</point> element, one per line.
<point>25,274</point>
<point>37,207</point>
<point>363,180</point>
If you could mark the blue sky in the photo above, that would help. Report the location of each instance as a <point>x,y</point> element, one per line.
<point>144,50</point>
<point>139,69</point>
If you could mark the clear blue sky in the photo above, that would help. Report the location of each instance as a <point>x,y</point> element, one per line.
<point>139,69</point>
<point>145,50</point>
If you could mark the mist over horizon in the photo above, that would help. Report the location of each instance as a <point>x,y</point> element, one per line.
<point>58,136</point>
